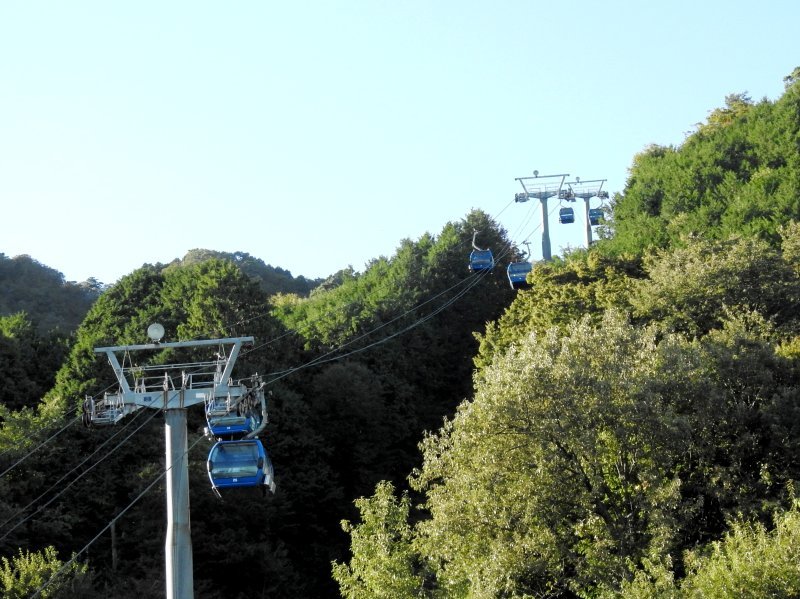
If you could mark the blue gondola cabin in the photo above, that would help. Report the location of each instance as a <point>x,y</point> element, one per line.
<point>481,260</point>
<point>566,216</point>
<point>243,463</point>
<point>230,426</point>
<point>595,216</point>
<point>229,419</point>
<point>518,274</point>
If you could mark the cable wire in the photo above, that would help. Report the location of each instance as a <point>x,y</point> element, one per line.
<point>324,358</point>
<point>77,478</point>
<point>321,359</point>
<point>42,429</point>
<point>468,284</point>
<point>42,444</point>
<point>114,519</point>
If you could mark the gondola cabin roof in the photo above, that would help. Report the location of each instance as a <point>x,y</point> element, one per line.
<point>229,419</point>
<point>230,425</point>
<point>481,260</point>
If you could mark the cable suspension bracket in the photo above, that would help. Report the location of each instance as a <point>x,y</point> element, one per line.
<point>168,386</point>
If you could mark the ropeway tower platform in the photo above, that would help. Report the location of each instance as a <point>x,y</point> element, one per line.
<point>174,387</point>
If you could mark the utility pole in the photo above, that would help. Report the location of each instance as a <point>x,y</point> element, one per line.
<point>588,190</point>
<point>172,388</point>
<point>537,187</point>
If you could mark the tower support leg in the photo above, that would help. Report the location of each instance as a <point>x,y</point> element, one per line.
<point>588,224</point>
<point>545,232</point>
<point>178,546</point>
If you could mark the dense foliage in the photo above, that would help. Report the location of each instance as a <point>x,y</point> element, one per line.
<point>348,404</point>
<point>641,401</point>
<point>628,426</point>
<point>49,301</point>
<point>750,562</point>
<point>26,573</point>
<point>29,360</point>
<point>739,173</point>
<point>39,311</point>
<point>271,279</point>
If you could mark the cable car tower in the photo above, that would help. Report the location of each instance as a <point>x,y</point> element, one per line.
<point>588,190</point>
<point>536,187</point>
<point>172,388</point>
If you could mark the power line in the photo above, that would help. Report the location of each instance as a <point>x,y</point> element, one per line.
<point>113,520</point>
<point>322,359</point>
<point>42,444</point>
<point>467,284</point>
<point>76,479</point>
<point>473,282</point>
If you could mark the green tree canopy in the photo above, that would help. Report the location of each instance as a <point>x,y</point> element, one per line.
<point>591,451</point>
<point>739,173</point>
<point>42,572</point>
<point>270,278</point>
<point>383,558</point>
<point>51,303</point>
<point>750,561</point>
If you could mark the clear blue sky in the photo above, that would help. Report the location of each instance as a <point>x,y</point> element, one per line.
<point>318,134</point>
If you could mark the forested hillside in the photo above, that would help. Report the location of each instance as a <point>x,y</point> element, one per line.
<point>738,174</point>
<point>628,426</point>
<point>41,292</point>
<point>635,424</point>
<point>356,372</point>
<point>271,279</point>
<point>39,311</point>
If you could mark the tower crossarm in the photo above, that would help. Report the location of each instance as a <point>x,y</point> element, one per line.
<point>174,385</point>
<point>540,187</point>
<point>588,189</point>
